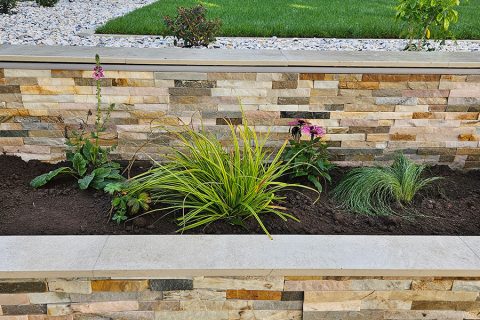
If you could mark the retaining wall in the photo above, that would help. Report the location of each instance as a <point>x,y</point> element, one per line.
<point>239,298</point>
<point>371,105</point>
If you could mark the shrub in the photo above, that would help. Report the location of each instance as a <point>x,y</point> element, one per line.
<point>205,182</point>
<point>309,157</point>
<point>89,161</point>
<point>426,19</point>
<point>373,190</point>
<point>7,5</point>
<point>46,3</point>
<point>192,26</point>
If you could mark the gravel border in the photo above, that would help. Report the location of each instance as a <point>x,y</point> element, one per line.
<point>71,23</point>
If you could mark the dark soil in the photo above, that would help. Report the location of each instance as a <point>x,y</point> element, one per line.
<point>452,207</point>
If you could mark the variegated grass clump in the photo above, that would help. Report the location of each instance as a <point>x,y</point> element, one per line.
<point>206,181</point>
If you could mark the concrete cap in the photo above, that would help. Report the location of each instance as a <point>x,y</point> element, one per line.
<point>238,57</point>
<point>236,255</point>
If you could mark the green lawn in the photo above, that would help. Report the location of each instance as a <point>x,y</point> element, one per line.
<point>291,18</point>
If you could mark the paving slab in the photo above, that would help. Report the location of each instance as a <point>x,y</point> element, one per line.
<point>287,254</point>
<point>44,256</point>
<point>239,57</point>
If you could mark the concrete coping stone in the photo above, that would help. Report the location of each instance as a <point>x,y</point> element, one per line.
<point>238,57</point>
<point>238,255</point>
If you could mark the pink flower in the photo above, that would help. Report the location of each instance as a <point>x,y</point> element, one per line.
<point>314,131</point>
<point>98,73</point>
<point>298,122</point>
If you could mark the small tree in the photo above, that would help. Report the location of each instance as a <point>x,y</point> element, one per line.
<point>192,26</point>
<point>426,19</point>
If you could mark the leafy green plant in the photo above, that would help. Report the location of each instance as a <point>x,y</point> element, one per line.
<point>373,190</point>
<point>192,26</point>
<point>89,160</point>
<point>46,3</point>
<point>426,19</point>
<point>309,158</point>
<point>7,5</point>
<point>205,182</point>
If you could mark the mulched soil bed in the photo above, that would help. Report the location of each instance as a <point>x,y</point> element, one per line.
<point>452,207</point>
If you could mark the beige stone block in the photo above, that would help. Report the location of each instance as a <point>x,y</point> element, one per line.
<point>432,285</point>
<point>21,317</point>
<point>423,85</point>
<point>245,84</point>
<point>48,98</point>
<point>425,314</point>
<point>164,83</point>
<point>432,101</point>
<point>248,283</point>
<point>212,305</point>
<point>348,115</point>
<point>59,309</point>
<point>196,294</point>
<point>459,85</point>
<point>417,108</point>
<point>125,315</point>
<point>238,92</point>
<point>386,304</point>
<point>300,92</point>
<point>27,149</point>
<point>319,84</point>
<point>189,315</point>
<point>346,305</point>
<point>55,81</point>
<point>460,285</point>
<point>286,107</point>
<point>11,141</point>
<point>265,315</point>
<point>324,92</point>
<point>70,286</point>
<point>405,295</point>
<point>394,85</point>
<point>334,285</point>
<point>378,137</point>
<point>47,90</point>
<point>368,108</point>
<point>14,299</point>
<point>232,76</point>
<point>354,93</point>
<point>345,137</point>
<point>48,297</point>
<point>305,83</point>
<point>465,92</point>
<point>111,306</point>
<point>22,73</point>
<point>389,115</point>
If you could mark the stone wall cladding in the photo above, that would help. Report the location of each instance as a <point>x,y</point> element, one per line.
<point>431,118</point>
<point>239,298</point>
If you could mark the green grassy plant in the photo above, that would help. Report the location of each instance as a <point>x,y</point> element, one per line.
<point>204,181</point>
<point>373,190</point>
<point>288,18</point>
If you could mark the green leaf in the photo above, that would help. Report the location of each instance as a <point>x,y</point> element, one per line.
<point>87,150</point>
<point>79,164</point>
<point>45,178</point>
<point>84,183</point>
<point>112,188</point>
<point>316,183</point>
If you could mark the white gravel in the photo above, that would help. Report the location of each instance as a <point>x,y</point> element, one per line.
<point>72,23</point>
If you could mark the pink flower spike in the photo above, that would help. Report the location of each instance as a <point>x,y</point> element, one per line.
<point>98,73</point>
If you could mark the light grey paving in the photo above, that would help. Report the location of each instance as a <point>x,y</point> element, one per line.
<point>44,256</point>
<point>236,255</point>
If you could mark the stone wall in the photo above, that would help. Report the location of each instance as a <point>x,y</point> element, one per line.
<point>432,118</point>
<point>229,298</point>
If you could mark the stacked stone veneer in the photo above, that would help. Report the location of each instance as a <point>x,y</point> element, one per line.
<point>229,298</point>
<point>432,118</point>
